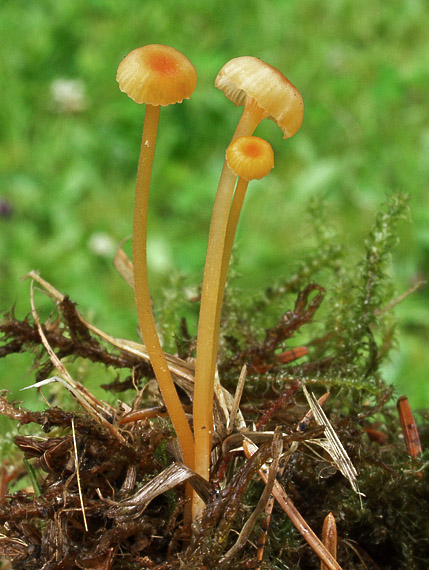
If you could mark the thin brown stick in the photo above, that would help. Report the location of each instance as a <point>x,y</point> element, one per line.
<point>178,367</point>
<point>295,516</point>
<point>409,428</point>
<point>85,398</point>
<point>265,523</point>
<point>277,448</point>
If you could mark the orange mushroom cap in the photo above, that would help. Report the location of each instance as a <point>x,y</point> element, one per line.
<point>156,75</point>
<point>250,157</point>
<point>249,76</point>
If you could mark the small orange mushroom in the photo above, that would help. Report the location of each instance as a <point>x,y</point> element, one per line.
<point>249,158</point>
<point>265,93</point>
<point>157,75</point>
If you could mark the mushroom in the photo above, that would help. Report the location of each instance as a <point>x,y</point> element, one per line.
<point>265,93</point>
<point>249,158</point>
<point>157,75</point>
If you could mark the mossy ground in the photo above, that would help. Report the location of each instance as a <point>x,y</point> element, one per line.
<point>347,331</point>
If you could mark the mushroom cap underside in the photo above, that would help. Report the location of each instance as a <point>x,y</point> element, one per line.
<point>249,76</point>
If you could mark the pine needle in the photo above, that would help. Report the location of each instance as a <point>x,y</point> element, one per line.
<point>332,443</point>
<point>237,398</point>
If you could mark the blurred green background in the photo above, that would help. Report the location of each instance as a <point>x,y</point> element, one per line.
<point>70,141</point>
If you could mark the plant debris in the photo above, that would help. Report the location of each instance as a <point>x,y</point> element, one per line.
<point>87,484</point>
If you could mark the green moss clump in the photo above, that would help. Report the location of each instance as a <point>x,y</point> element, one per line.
<point>333,306</point>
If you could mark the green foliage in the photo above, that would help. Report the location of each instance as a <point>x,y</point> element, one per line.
<point>353,332</point>
<point>68,176</point>
<point>6,442</point>
<point>360,295</point>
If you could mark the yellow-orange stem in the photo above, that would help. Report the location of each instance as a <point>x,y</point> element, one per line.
<point>211,305</point>
<point>234,215</point>
<point>141,289</point>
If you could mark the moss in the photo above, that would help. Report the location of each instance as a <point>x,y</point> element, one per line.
<point>331,305</point>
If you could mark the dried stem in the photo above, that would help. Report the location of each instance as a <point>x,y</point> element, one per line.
<point>295,516</point>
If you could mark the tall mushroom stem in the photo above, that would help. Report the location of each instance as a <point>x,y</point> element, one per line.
<point>211,302</point>
<point>234,215</point>
<point>156,75</point>
<point>252,115</point>
<point>141,288</point>
<point>207,339</point>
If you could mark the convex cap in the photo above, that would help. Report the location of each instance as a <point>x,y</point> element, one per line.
<point>250,157</point>
<point>249,76</point>
<point>156,75</point>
